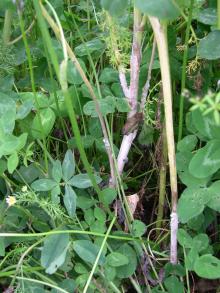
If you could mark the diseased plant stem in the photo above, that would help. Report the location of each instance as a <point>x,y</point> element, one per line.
<point>133,89</point>
<point>123,81</point>
<point>183,79</point>
<point>160,35</point>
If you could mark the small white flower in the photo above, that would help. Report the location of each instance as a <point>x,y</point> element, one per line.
<point>24,188</point>
<point>11,200</point>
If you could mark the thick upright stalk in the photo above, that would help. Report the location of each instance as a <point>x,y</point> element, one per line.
<point>6,34</point>
<point>183,79</point>
<point>161,40</point>
<point>133,89</point>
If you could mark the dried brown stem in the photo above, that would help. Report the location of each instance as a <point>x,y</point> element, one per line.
<point>162,46</point>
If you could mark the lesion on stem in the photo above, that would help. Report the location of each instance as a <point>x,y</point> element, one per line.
<point>135,115</point>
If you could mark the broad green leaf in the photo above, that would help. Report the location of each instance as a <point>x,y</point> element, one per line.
<point>12,162</point>
<point>31,287</point>
<point>182,160</point>
<point>98,227</point>
<point>191,258</point>
<point>28,174</point>
<point>6,83</point>
<point>209,47</point>
<point>70,200</point>
<point>24,109</point>
<point>205,124</point>
<point>201,242</point>
<point>187,144</point>
<point>163,9</point>
<point>110,272</point>
<point>206,161</point>
<point>7,121</point>
<point>7,113</point>
<point>41,101</point>
<point>6,4</point>
<point>109,75</point>
<point>40,130</point>
<point>128,269</point>
<point>116,259</point>
<point>106,105</point>
<point>173,285</point>
<point>84,201</point>
<point>214,202</point>
<point>43,184</point>
<point>99,214</point>
<point>54,252</point>
<point>73,75</point>
<point>68,165</point>
<point>192,203</point>
<point>146,136</point>
<point>57,171</point>
<point>122,105</point>
<point>83,181</point>
<point>208,267</point>
<point>89,47</point>
<point>6,104</point>
<point>10,143</point>
<point>81,280</point>
<point>95,127</point>
<point>87,141</point>
<point>115,7</point>
<point>87,251</point>
<point>208,16</point>
<point>89,216</point>
<point>117,90</point>
<point>67,284</point>
<point>184,238</point>
<point>138,228</point>
<point>3,166</point>
<point>171,269</point>
<point>108,195</point>
<point>55,192</point>
<point>196,223</point>
<point>80,268</point>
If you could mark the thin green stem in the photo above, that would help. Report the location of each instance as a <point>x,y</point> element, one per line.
<point>22,259</point>
<point>218,14</point>
<point>183,79</point>
<point>98,256</point>
<point>54,232</point>
<point>43,283</point>
<point>162,185</point>
<point>6,34</point>
<point>28,52</point>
